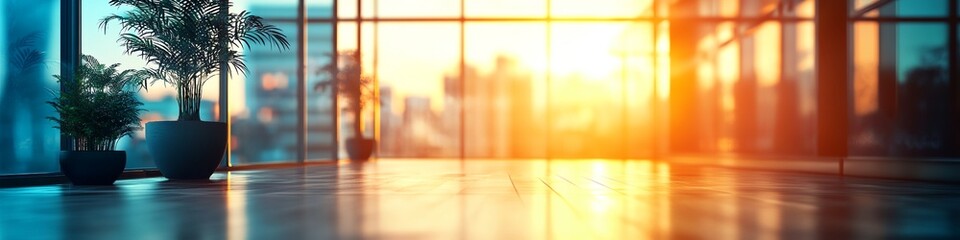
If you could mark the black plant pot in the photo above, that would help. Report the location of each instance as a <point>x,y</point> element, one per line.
<point>92,167</point>
<point>360,149</point>
<point>187,150</point>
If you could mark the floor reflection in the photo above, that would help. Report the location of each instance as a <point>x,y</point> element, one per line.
<point>487,199</point>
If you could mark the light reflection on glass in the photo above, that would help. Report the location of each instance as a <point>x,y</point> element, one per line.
<point>236,207</point>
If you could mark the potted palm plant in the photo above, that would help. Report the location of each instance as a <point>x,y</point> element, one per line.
<point>186,43</point>
<point>96,109</point>
<point>358,90</point>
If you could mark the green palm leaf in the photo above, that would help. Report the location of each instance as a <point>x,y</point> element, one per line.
<point>187,40</point>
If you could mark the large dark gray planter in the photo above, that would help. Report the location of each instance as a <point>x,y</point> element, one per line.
<point>187,150</point>
<point>92,167</point>
<point>360,149</point>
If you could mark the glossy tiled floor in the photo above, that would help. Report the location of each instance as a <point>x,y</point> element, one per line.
<point>478,199</point>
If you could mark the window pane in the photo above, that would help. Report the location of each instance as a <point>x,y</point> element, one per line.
<point>865,136</point>
<point>717,67</point>
<point>348,8</point>
<point>727,77</point>
<point>271,9</point>
<point>753,8</point>
<point>320,8</point>
<point>661,114</point>
<point>636,50</point>
<point>801,8</point>
<point>922,8</point>
<point>911,8</point>
<point>411,8</point>
<point>263,103</point>
<point>585,99</point>
<point>504,99</point>
<point>320,121</point>
<point>418,71</point>
<point>922,90</point>
<point>796,122</point>
<point>762,50</point>
<point>859,4</point>
<point>417,67</point>
<point>704,8</point>
<point>346,45</point>
<point>28,141</point>
<point>601,8</point>
<point>505,8</point>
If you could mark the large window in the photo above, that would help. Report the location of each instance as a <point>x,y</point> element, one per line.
<point>500,79</point>
<point>262,104</point>
<point>743,82</point>
<point>510,79</point>
<point>530,79</point>
<point>903,87</point>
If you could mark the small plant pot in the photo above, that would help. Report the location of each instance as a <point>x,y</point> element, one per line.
<point>92,167</point>
<point>360,149</point>
<point>187,150</point>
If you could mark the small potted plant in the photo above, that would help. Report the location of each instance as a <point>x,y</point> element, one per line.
<point>186,43</point>
<point>358,90</point>
<point>96,108</point>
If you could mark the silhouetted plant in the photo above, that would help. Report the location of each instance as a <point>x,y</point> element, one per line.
<point>98,106</point>
<point>187,40</point>
<point>352,84</point>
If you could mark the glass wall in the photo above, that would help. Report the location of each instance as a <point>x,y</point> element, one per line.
<point>504,91</point>
<point>262,103</point>
<point>746,76</point>
<point>29,51</point>
<point>159,100</point>
<point>490,86</point>
<point>903,88</point>
<point>534,79</point>
<point>418,70</point>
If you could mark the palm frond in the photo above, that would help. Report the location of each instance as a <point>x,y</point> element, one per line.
<point>187,40</point>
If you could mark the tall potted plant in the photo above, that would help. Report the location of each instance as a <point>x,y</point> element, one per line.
<point>186,43</point>
<point>358,90</point>
<point>96,109</point>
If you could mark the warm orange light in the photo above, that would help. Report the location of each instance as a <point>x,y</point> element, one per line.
<point>236,207</point>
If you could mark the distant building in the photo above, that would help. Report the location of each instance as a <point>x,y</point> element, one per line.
<point>421,135</point>
<point>501,120</point>
<point>390,125</point>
